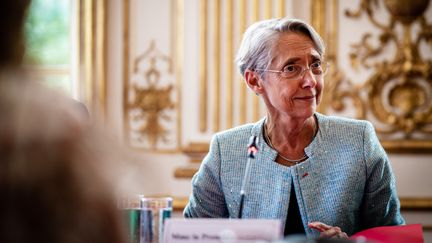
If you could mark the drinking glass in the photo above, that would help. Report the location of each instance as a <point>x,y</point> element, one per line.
<point>131,211</point>
<point>154,211</point>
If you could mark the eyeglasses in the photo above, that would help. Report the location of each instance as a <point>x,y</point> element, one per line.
<point>295,71</point>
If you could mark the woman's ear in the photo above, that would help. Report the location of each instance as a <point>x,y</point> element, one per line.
<point>254,81</point>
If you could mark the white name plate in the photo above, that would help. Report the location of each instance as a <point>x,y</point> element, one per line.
<point>178,230</point>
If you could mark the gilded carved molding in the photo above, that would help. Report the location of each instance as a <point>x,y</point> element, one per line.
<point>404,107</point>
<point>91,55</point>
<point>151,99</point>
<point>397,95</point>
<point>151,77</point>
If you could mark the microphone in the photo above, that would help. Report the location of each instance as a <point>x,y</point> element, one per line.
<point>252,151</point>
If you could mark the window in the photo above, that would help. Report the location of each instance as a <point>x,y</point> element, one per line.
<point>49,44</point>
<point>66,46</point>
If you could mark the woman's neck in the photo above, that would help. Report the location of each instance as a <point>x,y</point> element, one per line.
<point>290,134</point>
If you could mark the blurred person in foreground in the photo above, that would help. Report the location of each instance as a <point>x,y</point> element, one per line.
<point>322,176</point>
<point>52,185</point>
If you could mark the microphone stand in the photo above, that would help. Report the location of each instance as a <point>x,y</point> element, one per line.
<point>252,151</point>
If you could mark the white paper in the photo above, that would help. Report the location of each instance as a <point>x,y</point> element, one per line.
<point>178,230</point>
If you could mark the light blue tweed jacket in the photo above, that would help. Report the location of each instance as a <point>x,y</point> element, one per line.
<point>347,180</point>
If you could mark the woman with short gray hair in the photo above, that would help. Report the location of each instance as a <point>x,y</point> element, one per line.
<point>322,176</point>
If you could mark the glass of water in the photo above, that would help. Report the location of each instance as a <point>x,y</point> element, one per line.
<point>154,211</point>
<point>130,207</point>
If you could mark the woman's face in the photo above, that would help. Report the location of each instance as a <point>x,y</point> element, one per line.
<point>295,97</point>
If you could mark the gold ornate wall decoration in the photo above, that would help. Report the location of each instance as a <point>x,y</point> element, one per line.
<point>338,88</point>
<point>151,100</point>
<point>399,90</point>
<point>397,95</point>
<point>152,119</point>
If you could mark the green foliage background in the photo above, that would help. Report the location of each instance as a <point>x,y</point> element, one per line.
<point>47,33</point>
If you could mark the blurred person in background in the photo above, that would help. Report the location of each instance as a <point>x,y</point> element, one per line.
<point>52,182</point>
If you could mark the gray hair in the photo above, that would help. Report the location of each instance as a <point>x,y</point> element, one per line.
<point>256,48</point>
